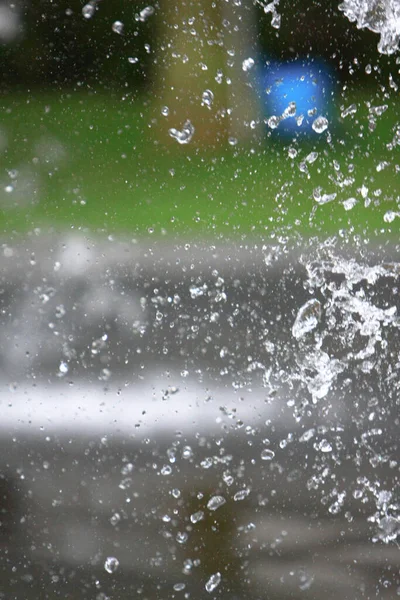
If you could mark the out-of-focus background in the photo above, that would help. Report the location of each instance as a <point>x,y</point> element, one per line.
<point>90,91</point>
<point>199,300</point>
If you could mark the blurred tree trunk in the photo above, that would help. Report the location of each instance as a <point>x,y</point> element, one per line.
<point>202,45</point>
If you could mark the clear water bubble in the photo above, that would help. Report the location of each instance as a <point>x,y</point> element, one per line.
<point>213,582</point>
<point>215,502</point>
<point>111,564</point>
<point>178,587</point>
<point>185,135</point>
<point>320,124</point>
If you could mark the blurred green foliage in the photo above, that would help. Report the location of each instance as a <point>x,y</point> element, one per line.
<point>93,160</point>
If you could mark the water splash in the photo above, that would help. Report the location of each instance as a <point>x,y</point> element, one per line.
<point>380,16</point>
<point>271,7</point>
<point>341,332</point>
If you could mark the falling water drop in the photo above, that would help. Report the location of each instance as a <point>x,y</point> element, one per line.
<point>185,135</point>
<point>320,124</point>
<point>207,98</point>
<point>88,10</point>
<point>145,13</point>
<point>111,564</point>
<point>247,64</point>
<point>267,454</point>
<point>215,502</point>
<point>118,27</point>
<point>213,582</point>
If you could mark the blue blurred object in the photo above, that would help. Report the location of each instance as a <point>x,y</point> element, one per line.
<point>294,94</point>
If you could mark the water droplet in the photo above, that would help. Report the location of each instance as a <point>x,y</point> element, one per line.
<point>305,579</point>
<point>185,135</point>
<point>307,435</point>
<point>241,494</point>
<point>115,519</point>
<point>88,10</point>
<point>321,198</point>
<point>111,564</point>
<point>273,122</point>
<point>63,368</point>
<point>390,529</point>
<point>178,587</point>
<point>312,157</point>
<point>182,537</point>
<point>133,60</point>
<point>187,452</point>
<point>215,502</point>
<point>349,203</point>
<point>166,470</point>
<point>276,21</point>
<point>320,124</point>
<point>118,27</point>
<point>390,216</point>
<point>213,582</point>
<point>350,110</point>
<point>207,98</point>
<point>197,516</point>
<point>267,454</point>
<point>325,446</point>
<point>290,110</point>
<point>247,64</point>
<point>307,318</point>
<point>145,13</point>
